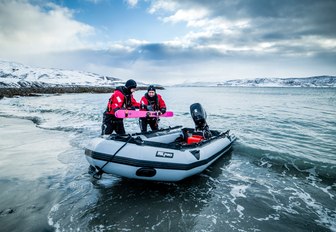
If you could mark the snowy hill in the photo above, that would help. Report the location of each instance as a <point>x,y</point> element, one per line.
<point>14,75</point>
<point>19,79</point>
<point>317,81</point>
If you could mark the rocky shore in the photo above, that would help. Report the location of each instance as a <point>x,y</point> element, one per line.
<point>36,91</point>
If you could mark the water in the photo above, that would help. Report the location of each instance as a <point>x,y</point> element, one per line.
<point>280,176</point>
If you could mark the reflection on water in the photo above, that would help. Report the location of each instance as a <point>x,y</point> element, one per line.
<point>121,204</point>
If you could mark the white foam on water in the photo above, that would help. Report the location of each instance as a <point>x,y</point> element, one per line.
<point>314,181</point>
<point>107,181</point>
<point>240,210</point>
<point>51,222</point>
<point>326,216</point>
<point>269,217</point>
<point>157,225</point>
<point>238,191</point>
<point>225,204</point>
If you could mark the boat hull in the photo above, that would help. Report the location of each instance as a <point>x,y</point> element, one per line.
<point>148,158</point>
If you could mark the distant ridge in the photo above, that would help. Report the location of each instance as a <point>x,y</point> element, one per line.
<point>15,75</point>
<point>22,80</point>
<point>315,81</point>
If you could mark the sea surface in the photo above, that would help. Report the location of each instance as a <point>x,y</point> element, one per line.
<point>279,176</point>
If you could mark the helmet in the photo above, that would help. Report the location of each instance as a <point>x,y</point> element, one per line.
<point>130,84</point>
<point>151,88</point>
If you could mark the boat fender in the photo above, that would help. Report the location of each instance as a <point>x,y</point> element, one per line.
<point>196,153</point>
<point>147,172</point>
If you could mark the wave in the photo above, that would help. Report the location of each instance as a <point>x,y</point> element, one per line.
<point>36,120</point>
<point>65,129</point>
<point>286,163</point>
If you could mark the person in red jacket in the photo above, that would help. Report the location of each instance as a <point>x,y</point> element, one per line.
<point>151,101</point>
<point>122,98</point>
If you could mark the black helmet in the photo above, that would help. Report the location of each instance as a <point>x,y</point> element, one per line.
<point>130,84</point>
<point>151,88</point>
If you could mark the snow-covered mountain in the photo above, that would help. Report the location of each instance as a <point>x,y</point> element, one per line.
<point>22,80</point>
<point>317,81</point>
<point>15,75</point>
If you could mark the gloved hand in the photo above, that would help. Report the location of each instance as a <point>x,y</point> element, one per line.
<point>116,109</point>
<point>132,108</point>
<point>163,110</point>
<point>143,106</point>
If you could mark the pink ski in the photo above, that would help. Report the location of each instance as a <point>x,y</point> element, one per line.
<point>141,114</point>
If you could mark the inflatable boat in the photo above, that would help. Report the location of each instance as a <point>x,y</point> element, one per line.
<point>170,154</point>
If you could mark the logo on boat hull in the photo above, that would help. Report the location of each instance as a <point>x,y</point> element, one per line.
<point>164,154</point>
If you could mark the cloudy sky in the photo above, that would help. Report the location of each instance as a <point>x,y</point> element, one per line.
<point>172,41</point>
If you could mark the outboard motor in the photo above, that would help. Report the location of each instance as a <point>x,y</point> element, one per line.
<point>199,116</point>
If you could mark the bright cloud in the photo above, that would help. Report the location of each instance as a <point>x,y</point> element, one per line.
<point>162,5</point>
<point>132,3</point>
<point>191,16</point>
<point>27,29</point>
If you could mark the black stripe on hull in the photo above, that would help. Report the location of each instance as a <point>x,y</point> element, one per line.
<point>154,164</point>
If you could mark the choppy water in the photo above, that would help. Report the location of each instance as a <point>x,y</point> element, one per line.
<point>280,176</point>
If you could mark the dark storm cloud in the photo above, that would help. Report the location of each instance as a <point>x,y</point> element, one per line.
<point>298,28</point>
<point>173,54</point>
<point>235,9</point>
<point>306,17</point>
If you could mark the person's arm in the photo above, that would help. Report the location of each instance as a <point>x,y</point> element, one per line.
<point>134,102</point>
<point>162,105</point>
<point>143,103</point>
<point>109,104</point>
<point>117,101</point>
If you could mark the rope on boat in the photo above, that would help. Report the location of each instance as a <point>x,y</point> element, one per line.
<point>98,174</point>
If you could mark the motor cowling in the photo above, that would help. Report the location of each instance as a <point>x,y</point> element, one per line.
<point>199,116</point>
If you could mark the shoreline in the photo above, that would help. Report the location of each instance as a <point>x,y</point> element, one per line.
<point>30,173</point>
<point>37,91</point>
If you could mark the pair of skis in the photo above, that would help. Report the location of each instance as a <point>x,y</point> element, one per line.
<point>141,114</point>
